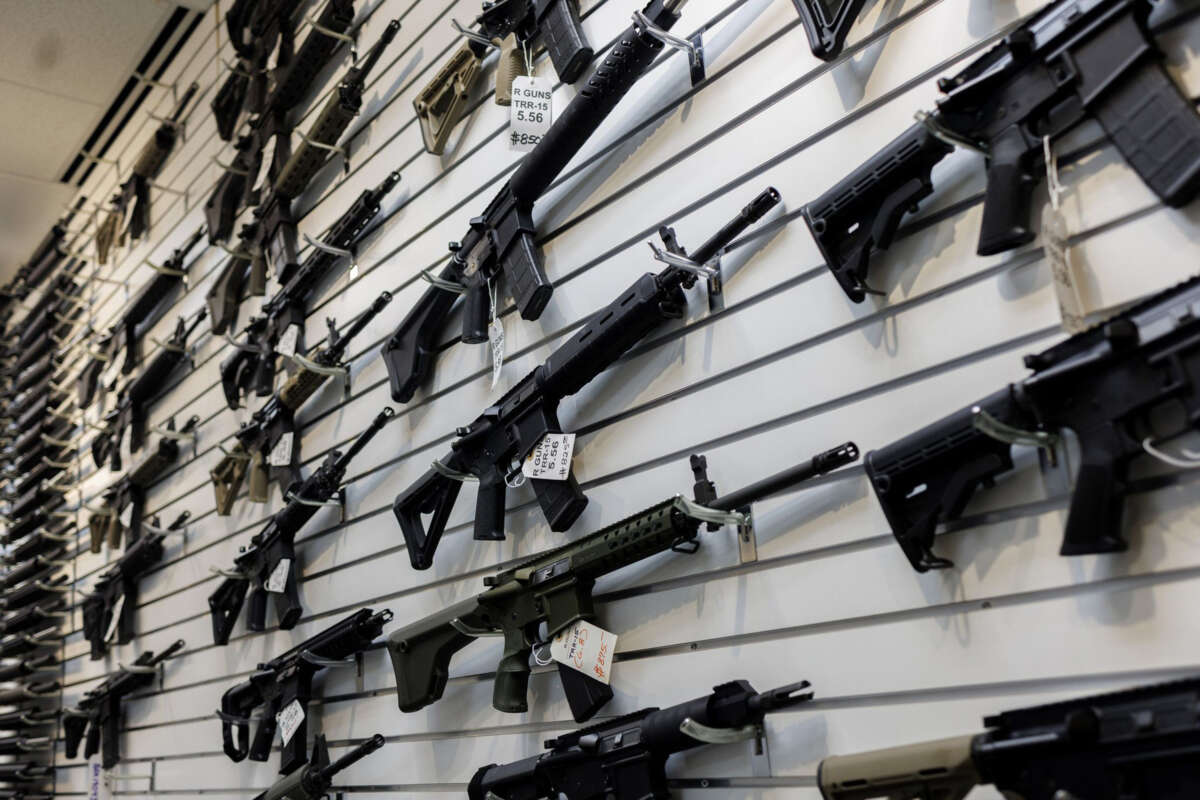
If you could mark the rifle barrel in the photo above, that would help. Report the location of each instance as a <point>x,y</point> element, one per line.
<point>747,217</point>
<point>818,465</point>
<point>357,754</point>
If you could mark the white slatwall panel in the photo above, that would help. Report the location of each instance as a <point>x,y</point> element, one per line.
<point>788,368</point>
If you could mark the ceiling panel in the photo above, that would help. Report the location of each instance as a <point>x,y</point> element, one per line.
<point>27,210</point>
<point>40,132</point>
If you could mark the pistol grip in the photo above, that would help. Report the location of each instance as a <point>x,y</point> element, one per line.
<point>562,33</point>
<point>260,482</point>
<point>92,745</point>
<point>562,501</point>
<point>476,310</point>
<point>489,510</point>
<point>287,602</point>
<point>1157,130</point>
<point>1098,502</point>
<point>1009,197</point>
<point>433,494</point>
<point>257,284</point>
<point>110,744</point>
<point>264,737</point>
<point>511,65</point>
<point>510,692</point>
<point>256,614</point>
<point>224,606</point>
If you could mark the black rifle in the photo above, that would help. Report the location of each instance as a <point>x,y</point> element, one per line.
<point>242,275</point>
<point>502,240</point>
<point>141,313</point>
<point>252,365</point>
<point>1137,744</point>
<point>312,782</point>
<point>136,190</point>
<point>32,616</point>
<point>24,772</point>
<point>275,246</point>
<point>28,667</point>
<point>20,644</point>
<point>104,524</point>
<point>110,609</point>
<point>1105,384</point>
<point>33,693</point>
<point>513,26</point>
<point>626,758</point>
<point>257,439</point>
<point>545,595</point>
<point>41,565</point>
<point>286,680</point>
<point>45,543</point>
<point>134,398</point>
<point>269,561</point>
<point>294,77</point>
<point>1073,61</point>
<point>255,27</point>
<point>50,251</point>
<point>493,447</point>
<point>99,712</point>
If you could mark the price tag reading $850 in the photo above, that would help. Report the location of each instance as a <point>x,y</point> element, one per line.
<point>551,458</point>
<point>531,112</point>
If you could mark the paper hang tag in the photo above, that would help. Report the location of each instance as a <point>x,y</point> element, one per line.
<point>587,648</point>
<point>1055,236</point>
<point>116,619</point>
<point>287,342</point>
<point>531,112</point>
<point>281,453</point>
<point>289,720</point>
<point>496,340</point>
<point>126,517</point>
<point>277,582</point>
<point>97,779</point>
<point>551,458</point>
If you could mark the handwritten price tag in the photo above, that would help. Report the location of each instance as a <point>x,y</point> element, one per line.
<point>289,720</point>
<point>587,648</point>
<point>278,578</point>
<point>496,340</point>
<point>531,112</point>
<point>551,458</point>
<point>287,342</point>
<point>281,453</point>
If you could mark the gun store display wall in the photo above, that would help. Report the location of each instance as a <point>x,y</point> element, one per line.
<point>171,445</point>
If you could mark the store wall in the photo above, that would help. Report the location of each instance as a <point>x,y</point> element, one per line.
<point>789,368</point>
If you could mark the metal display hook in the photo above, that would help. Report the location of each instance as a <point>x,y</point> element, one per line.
<point>333,148</point>
<point>442,283</point>
<point>332,34</point>
<point>694,46</point>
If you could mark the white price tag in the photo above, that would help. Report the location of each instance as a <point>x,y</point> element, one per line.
<point>531,112</point>
<point>496,340</point>
<point>551,458</point>
<point>126,517</point>
<point>287,342</point>
<point>278,579</point>
<point>1066,290</point>
<point>587,648</point>
<point>116,619</point>
<point>289,720</point>
<point>97,780</point>
<point>281,453</point>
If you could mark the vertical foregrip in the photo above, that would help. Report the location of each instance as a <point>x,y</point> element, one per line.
<point>620,69</point>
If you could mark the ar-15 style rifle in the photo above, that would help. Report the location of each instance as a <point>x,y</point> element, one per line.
<point>105,524</point>
<point>512,26</point>
<point>29,667</point>
<point>286,681</point>
<point>24,772</point>
<point>109,610</point>
<point>626,758</point>
<point>294,76</point>
<point>136,189</point>
<point>258,439</point>
<point>1073,61</point>
<point>502,240</point>
<point>270,559</point>
<point>134,398</point>
<point>494,446</point>
<point>275,245</point>
<point>1137,744</point>
<point>1108,385</point>
<point>141,313</point>
<point>555,589</point>
<point>99,712</point>
<point>252,365</point>
<point>312,782</point>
